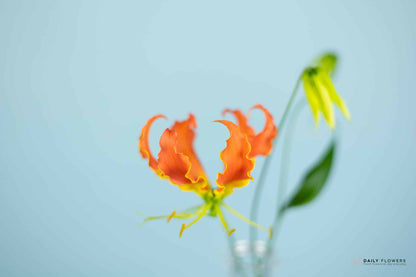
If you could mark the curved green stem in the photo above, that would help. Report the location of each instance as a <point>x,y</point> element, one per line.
<point>263,173</point>
<point>284,170</point>
<point>285,161</point>
<point>266,164</point>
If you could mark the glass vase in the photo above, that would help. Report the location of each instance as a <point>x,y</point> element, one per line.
<point>248,260</point>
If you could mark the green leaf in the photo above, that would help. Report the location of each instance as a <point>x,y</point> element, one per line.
<point>315,180</point>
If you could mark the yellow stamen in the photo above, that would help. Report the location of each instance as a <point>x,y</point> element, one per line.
<point>270,232</point>
<point>244,218</point>
<point>200,215</point>
<point>182,229</point>
<point>184,214</point>
<point>149,218</point>
<point>224,223</point>
<point>230,232</point>
<point>204,211</point>
<point>142,214</point>
<point>171,215</point>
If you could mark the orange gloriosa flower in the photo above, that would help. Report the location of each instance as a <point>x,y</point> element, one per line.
<point>178,162</point>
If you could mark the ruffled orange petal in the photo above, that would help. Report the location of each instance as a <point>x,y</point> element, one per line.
<point>262,142</point>
<point>184,145</point>
<point>173,165</point>
<point>177,158</point>
<point>241,121</point>
<point>236,161</point>
<point>144,147</point>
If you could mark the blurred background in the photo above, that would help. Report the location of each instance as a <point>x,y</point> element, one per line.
<point>78,80</point>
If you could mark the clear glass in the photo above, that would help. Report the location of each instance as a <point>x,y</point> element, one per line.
<point>250,260</point>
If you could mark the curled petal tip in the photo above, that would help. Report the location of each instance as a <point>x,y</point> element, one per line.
<point>144,147</point>
<point>191,120</point>
<point>257,106</point>
<point>262,143</point>
<point>225,111</point>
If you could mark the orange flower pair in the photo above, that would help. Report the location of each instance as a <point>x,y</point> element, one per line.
<point>178,162</point>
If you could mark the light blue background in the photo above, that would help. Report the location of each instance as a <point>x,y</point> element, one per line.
<point>79,79</point>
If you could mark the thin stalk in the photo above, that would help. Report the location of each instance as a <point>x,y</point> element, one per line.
<point>256,197</point>
<point>285,161</point>
<point>284,170</point>
<point>266,164</point>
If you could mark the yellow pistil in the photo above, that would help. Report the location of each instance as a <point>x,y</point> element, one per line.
<point>230,232</point>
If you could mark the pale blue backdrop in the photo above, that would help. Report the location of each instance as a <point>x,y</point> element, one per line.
<point>78,79</point>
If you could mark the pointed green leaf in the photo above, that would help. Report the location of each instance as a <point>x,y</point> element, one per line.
<point>315,180</point>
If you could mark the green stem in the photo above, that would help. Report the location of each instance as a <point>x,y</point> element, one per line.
<point>285,161</point>
<point>263,173</point>
<point>284,170</point>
